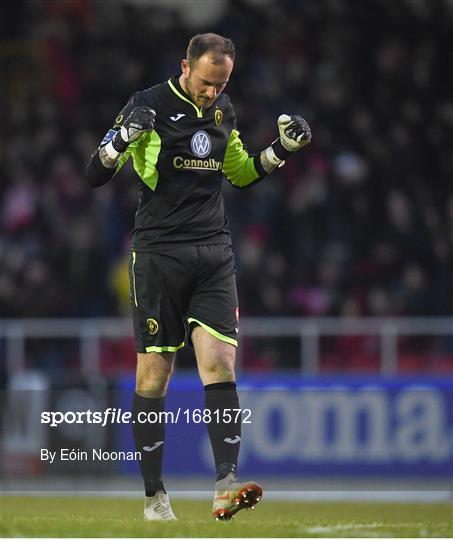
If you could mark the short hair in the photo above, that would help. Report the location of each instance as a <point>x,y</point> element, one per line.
<point>214,44</point>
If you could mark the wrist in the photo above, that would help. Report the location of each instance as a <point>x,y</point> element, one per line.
<point>279,150</point>
<point>118,143</point>
<point>272,158</point>
<point>111,151</point>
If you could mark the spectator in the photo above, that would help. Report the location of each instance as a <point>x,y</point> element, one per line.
<point>360,223</point>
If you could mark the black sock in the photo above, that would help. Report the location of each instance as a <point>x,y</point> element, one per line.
<point>224,432</point>
<point>149,441</point>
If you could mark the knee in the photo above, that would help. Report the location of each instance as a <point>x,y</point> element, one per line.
<point>220,368</point>
<point>152,385</point>
<point>152,379</point>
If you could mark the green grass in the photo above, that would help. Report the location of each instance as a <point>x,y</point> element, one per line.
<point>105,517</point>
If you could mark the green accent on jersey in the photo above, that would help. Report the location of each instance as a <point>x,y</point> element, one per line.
<point>238,166</point>
<point>168,348</point>
<point>199,111</point>
<point>145,153</point>
<point>213,332</point>
<point>133,278</point>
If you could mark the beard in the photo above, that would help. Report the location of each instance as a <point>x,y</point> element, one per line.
<point>197,99</point>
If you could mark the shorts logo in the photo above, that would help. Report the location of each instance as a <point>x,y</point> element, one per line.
<point>218,117</point>
<point>232,441</point>
<point>201,144</point>
<point>153,326</point>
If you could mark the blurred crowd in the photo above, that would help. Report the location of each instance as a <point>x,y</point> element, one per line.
<point>358,223</point>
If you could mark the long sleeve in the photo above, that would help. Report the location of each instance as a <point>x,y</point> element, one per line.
<point>240,168</point>
<point>96,173</point>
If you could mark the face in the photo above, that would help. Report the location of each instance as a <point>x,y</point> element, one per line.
<point>205,80</point>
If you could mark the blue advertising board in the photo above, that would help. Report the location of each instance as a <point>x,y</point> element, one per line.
<point>345,426</point>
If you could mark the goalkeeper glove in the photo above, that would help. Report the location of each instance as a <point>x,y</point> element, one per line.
<point>294,134</point>
<point>140,120</point>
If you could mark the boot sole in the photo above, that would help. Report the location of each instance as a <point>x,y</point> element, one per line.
<point>247,498</point>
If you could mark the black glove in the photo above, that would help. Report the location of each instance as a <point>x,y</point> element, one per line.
<point>140,120</point>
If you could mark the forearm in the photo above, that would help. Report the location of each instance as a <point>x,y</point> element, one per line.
<point>99,169</point>
<point>265,163</point>
<point>102,164</point>
<point>273,156</point>
<point>109,160</point>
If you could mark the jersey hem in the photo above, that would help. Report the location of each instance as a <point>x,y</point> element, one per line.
<point>216,240</point>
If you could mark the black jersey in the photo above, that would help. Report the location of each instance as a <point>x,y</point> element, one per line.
<point>181,165</point>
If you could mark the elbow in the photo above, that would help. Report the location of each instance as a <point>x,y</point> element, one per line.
<point>96,174</point>
<point>90,178</point>
<point>246,186</point>
<point>239,186</point>
<point>93,180</point>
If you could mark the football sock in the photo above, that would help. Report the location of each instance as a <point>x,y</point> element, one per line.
<point>225,426</point>
<point>149,441</point>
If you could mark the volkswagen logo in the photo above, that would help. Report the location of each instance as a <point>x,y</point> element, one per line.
<point>201,144</point>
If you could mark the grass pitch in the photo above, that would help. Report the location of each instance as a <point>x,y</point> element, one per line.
<point>105,517</point>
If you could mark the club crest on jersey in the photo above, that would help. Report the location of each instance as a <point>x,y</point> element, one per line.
<point>153,326</point>
<point>118,120</point>
<point>218,117</point>
<point>201,144</point>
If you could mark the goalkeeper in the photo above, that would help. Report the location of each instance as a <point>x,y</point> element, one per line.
<point>183,141</point>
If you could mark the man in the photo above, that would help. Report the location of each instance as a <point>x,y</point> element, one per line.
<point>183,140</point>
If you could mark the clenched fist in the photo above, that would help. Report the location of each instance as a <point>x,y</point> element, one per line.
<point>294,132</point>
<point>140,120</point>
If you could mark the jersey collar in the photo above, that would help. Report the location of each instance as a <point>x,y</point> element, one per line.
<point>176,87</point>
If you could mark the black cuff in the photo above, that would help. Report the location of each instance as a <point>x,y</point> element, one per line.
<point>118,144</point>
<point>280,151</point>
<point>258,166</point>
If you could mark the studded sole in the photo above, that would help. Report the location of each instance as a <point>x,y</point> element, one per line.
<point>247,498</point>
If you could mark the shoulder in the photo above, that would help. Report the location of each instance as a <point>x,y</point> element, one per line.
<point>223,103</point>
<point>151,96</point>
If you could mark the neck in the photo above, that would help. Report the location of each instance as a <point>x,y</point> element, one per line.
<point>182,82</point>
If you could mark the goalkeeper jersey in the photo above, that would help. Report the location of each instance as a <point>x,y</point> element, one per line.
<point>181,165</point>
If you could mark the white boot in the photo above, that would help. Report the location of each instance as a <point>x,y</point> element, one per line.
<point>158,507</point>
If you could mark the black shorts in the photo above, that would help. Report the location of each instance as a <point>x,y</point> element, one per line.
<point>175,288</point>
